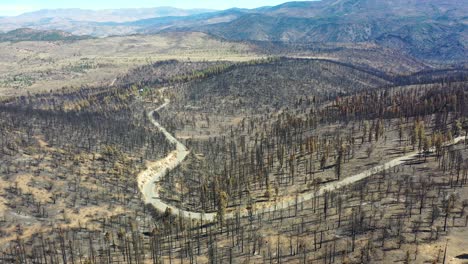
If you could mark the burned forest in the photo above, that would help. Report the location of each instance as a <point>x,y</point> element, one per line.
<point>314,132</point>
<point>288,160</point>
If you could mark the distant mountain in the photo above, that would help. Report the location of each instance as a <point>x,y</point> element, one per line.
<point>108,15</point>
<point>27,34</point>
<point>82,21</point>
<point>154,25</point>
<point>373,8</point>
<point>427,29</point>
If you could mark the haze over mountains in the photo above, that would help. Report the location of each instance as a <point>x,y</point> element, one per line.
<point>425,29</point>
<point>84,22</point>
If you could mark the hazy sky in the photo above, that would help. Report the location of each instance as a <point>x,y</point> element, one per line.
<point>16,7</point>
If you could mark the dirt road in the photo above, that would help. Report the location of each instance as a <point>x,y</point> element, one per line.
<point>148,180</point>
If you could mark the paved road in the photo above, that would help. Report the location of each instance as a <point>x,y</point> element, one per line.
<point>148,179</point>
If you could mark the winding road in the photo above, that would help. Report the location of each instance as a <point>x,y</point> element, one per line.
<point>148,180</point>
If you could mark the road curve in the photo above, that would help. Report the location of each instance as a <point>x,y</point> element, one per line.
<point>148,180</point>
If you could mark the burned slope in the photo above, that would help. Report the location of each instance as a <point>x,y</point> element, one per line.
<point>276,83</point>
<point>169,72</point>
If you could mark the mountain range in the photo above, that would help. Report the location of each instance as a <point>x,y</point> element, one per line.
<point>426,29</point>
<point>92,22</point>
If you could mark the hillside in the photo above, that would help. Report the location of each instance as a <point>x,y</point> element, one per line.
<point>428,30</point>
<point>275,83</point>
<point>28,34</point>
<point>38,66</point>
